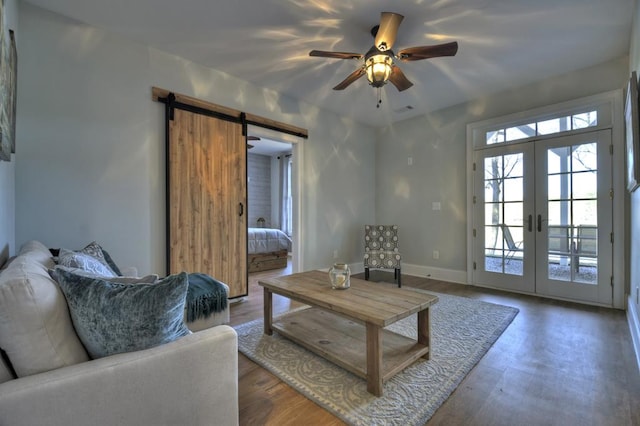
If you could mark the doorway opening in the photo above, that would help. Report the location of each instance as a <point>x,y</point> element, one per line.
<point>273,206</point>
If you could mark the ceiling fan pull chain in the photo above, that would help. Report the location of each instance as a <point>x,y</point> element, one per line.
<point>379,97</point>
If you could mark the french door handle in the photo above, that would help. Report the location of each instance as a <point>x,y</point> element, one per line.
<point>539,223</point>
<point>241,209</point>
<point>530,223</point>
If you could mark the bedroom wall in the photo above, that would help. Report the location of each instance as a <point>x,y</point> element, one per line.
<point>634,212</point>
<point>259,189</point>
<point>436,144</point>
<point>91,162</point>
<point>8,168</point>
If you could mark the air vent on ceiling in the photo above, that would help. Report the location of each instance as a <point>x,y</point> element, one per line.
<point>403,109</point>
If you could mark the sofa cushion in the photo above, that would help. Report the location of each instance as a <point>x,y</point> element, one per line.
<point>111,318</point>
<point>74,259</point>
<point>6,369</point>
<point>34,248</point>
<point>35,327</point>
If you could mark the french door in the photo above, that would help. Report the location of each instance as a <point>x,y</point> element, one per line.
<point>543,217</point>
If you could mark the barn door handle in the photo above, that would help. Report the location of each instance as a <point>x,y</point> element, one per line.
<point>241,209</point>
<point>530,223</point>
<point>539,223</point>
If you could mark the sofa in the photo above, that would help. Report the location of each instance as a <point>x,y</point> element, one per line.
<point>48,377</point>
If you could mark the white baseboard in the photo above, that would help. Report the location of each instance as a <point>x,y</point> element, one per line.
<point>634,327</point>
<point>449,275</point>
<point>356,268</point>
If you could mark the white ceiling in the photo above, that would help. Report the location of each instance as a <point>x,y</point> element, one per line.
<point>503,43</point>
<point>268,147</point>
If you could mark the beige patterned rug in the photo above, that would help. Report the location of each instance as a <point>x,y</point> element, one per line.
<point>462,331</point>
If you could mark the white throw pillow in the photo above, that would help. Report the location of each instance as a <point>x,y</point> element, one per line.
<point>74,259</point>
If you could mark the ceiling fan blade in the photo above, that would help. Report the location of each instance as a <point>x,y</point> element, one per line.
<point>253,138</point>
<point>425,52</point>
<point>388,29</point>
<point>352,77</point>
<point>337,55</point>
<point>399,80</point>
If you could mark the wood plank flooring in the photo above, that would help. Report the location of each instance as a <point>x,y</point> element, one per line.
<point>558,363</point>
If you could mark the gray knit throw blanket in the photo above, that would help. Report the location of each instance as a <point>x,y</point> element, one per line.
<point>205,296</point>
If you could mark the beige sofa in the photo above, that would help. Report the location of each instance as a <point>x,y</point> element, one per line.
<point>192,380</point>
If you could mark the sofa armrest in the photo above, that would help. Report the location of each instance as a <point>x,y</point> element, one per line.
<point>193,380</point>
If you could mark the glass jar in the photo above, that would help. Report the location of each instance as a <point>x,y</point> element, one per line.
<point>339,274</point>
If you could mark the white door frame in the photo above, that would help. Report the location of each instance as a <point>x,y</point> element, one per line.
<point>611,103</point>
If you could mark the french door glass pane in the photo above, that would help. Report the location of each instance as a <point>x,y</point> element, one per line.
<point>588,185</point>
<point>555,188</point>
<point>513,189</point>
<point>585,212</point>
<point>503,198</point>
<point>493,240</point>
<point>513,215</point>
<point>493,186</point>
<point>572,213</point>
<point>585,157</point>
<point>491,212</point>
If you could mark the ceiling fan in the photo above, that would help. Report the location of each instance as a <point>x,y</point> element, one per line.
<point>378,61</point>
<point>251,138</point>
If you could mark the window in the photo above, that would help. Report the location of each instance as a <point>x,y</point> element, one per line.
<point>545,127</point>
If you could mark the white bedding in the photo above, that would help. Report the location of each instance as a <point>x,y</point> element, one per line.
<point>266,240</point>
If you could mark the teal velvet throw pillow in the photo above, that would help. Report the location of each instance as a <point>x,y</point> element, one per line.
<point>111,318</point>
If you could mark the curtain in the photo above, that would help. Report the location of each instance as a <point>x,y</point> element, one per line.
<point>285,194</point>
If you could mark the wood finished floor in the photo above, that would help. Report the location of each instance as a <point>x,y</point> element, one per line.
<point>558,363</point>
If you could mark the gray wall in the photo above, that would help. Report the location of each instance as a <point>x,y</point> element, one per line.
<point>91,163</point>
<point>634,216</point>
<point>8,169</point>
<point>90,151</point>
<point>437,145</point>
<point>259,189</point>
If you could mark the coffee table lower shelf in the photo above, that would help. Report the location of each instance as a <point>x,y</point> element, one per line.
<point>344,342</point>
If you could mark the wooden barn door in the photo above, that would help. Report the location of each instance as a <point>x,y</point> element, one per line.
<point>207,159</point>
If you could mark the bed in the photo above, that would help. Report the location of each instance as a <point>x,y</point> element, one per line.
<point>267,249</point>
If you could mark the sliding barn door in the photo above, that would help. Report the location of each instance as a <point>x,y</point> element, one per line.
<point>207,198</point>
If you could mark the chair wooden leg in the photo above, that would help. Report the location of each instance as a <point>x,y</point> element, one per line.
<point>398,277</point>
<point>366,274</point>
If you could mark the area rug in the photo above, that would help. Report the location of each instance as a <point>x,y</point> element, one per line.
<point>462,331</point>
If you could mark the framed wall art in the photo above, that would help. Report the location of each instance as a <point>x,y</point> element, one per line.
<point>631,129</point>
<point>8,86</point>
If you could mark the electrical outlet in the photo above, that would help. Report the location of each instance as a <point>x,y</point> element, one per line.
<point>335,254</point>
<point>436,254</point>
<point>410,161</point>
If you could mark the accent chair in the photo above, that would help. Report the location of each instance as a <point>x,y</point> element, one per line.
<point>381,250</point>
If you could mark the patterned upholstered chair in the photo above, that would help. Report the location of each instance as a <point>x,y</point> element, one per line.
<point>381,249</point>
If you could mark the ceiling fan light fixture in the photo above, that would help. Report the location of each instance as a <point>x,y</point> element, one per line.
<point>378,68</point>
<point>379,64</point>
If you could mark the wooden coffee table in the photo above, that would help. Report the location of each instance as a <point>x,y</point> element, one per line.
<point>346,327</point>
